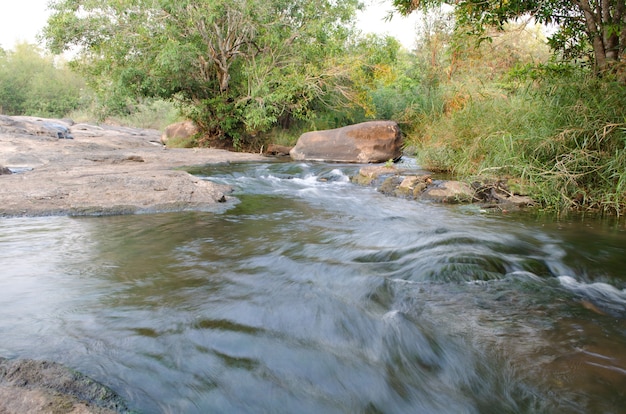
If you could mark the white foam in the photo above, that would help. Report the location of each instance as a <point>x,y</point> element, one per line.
<point>598,290</point>
<point>341,176</point>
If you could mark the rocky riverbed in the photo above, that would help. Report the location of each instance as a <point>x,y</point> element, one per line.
<point>416,184</point>
<point>55,166</point>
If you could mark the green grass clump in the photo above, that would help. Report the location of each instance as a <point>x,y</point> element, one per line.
<point>152,114</point>
<point>560,133</point>
<point>149,114</point>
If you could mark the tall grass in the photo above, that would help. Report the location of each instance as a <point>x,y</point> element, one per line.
<point>560,134</point>
<point>149,114</point>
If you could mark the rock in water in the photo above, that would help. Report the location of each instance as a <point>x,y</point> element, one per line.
<point>449,192</point>
<point>367,142</point>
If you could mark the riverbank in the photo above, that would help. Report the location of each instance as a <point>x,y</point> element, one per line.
<point>58,168</point>
<point>568,157</point>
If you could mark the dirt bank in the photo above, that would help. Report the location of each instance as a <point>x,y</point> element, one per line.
<point>60,167</point>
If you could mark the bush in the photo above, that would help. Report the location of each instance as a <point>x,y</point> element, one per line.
<point>37,85</point>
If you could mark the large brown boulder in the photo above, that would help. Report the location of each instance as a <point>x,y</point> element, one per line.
<point>179,130</point>
<point>367,142</point>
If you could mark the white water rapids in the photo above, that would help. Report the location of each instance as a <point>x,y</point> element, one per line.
<point>314,295</point>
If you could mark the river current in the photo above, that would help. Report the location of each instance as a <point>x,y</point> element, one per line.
<point>314,295</point>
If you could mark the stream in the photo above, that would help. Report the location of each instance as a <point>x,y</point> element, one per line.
<point>315,295</point>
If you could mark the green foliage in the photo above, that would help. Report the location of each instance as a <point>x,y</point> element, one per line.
<point>501,110</point>
<point>559,132</point>
<point>148,113</point>
<point>590,29</point>
<point>237,68</point>
<point>390,83</point>
<point>33,84</point>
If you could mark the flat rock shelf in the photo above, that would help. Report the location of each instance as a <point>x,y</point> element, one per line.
<point>100,170</point>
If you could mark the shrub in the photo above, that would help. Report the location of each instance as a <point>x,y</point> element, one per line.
<point>38,85</point>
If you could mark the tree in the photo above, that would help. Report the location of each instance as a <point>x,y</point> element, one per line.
<point>585,27</point>
<point>34,84</point>
<point>236,67</point>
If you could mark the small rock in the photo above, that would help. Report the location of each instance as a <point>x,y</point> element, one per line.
<point>278,150</point>
<point>414,185</point>
<point>502,194</point>
<point>180,130</point>
<point>390,185</point>
<point>57,130</point>
<point>370,173</point>
<point>134,158</point>
<point>449,192</point>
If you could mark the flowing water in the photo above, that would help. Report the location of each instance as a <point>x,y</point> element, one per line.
<point>313,295</point>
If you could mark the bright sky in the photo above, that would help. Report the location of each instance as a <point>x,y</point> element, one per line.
<point>23,20</point>
<point>372,19</point>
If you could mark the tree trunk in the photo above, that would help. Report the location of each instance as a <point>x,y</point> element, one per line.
<point>593,24</point>
<point>620,19</point>
<point>606,27</point>
<point>225,37</point>
<point>610,22</point>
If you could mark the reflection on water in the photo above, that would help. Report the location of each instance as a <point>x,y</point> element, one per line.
<point>312,295</point>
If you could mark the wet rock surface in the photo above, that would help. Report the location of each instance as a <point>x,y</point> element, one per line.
<point>420,185</point>
<point>28,386</point>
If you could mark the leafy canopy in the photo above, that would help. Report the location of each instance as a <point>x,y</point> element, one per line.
<point>585,28</point>
<point>237,67</point>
